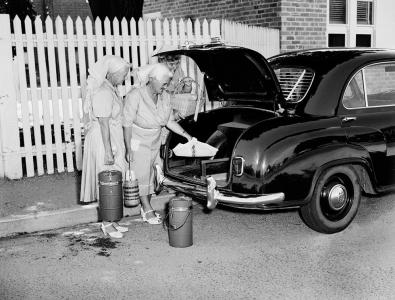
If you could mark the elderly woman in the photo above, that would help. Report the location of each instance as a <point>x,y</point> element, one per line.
<point>146,111</point>
<point>104,147</point>
<point>179,82</point>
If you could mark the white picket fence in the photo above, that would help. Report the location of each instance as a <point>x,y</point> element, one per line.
<point>261,39</point>
<point>43,79</point>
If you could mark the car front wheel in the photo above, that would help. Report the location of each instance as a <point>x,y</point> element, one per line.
<point>335,200</point>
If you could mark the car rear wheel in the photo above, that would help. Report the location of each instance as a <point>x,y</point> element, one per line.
<point>335,200</point>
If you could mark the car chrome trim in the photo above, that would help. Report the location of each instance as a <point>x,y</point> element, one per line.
<point>242,166</point>
<point>348,119</point>
<point>337,197</point>
<point>213,195</point>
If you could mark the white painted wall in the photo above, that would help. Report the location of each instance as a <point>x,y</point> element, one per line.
<point>382,30</point>
<point>385,23</point>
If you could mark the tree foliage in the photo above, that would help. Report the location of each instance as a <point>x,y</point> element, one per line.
<point>117,8</point>
<point>21,8</point>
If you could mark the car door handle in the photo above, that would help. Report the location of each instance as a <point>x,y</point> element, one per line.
<point>348,119</point>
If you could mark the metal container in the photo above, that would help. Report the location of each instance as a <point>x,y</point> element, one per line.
<point>180,222</point>
<point>110,196</point>
<point>131,195</point>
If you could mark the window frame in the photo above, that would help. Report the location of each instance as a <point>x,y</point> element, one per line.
<point>364,87</point>
<point>371,13</point>
<point>346,8</point>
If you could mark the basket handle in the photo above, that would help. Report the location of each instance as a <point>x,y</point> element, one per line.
<point>200,91</point>
<point>179,85</point>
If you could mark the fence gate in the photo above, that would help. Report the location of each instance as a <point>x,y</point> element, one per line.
<point>44,68</point>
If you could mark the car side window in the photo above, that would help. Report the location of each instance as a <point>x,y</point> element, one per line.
<point>354,95</point>
<point>380,84</point>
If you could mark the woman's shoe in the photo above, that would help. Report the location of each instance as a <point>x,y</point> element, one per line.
<point>121,229</point>
<point>114,234</point>
<point>153,220</point>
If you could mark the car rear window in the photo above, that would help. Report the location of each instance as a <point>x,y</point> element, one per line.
<point>295,82</point>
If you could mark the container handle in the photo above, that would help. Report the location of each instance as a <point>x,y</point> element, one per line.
<point>166,221</point>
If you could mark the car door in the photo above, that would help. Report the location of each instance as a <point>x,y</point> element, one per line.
<point>368,115</point>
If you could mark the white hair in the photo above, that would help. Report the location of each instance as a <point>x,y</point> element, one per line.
<point>159,71</point>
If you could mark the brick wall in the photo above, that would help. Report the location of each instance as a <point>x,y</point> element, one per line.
<point>303,24</point>
<point>252,12</point>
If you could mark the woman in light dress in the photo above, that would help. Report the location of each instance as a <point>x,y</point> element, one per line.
<point>146,111</point>
<point>104,147</point>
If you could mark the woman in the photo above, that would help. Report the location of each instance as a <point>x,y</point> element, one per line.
<point>103,147</point>
<point>147,110</point>
<point>179,84</point>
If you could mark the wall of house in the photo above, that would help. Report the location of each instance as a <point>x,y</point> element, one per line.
<point>385,24</point>
<point>252,12</point>
<point>303,24</point>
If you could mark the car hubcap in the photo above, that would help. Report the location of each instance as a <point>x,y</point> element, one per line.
<point>337,197</point>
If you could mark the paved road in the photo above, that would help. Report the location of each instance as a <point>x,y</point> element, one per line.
<point>235,256</point>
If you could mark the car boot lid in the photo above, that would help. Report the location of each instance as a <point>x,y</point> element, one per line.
<point>232,73</point>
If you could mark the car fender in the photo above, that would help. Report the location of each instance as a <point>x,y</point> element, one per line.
<point>362,167</point>
<point>285,154</point>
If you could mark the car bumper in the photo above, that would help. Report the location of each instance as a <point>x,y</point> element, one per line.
<point>214,196</point>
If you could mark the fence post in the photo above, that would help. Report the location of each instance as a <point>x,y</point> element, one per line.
<point>9,133</point>
<point>215,30</point>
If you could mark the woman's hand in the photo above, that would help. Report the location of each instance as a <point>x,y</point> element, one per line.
<point>187,136</point>
<point>129,155</point>
<point>177,115</point>
<point>108,158</point>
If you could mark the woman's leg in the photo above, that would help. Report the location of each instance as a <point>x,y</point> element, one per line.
<point>146,206</point>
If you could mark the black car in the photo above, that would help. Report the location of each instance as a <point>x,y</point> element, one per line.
<point>312,130</point>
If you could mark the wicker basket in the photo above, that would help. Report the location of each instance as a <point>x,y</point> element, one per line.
<point>185,103</point>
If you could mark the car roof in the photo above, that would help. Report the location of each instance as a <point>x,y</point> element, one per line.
<point>332,57</point>
<point>333,67</point>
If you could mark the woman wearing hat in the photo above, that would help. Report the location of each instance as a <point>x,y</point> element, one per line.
<point>103,146</point>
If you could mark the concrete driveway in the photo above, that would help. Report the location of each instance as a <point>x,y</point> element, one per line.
<point>235,256</point>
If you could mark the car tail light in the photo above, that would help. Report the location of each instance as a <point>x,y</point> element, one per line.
<point>238,165</point>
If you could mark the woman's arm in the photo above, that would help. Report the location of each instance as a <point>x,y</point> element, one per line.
<point>129,114</point>
<point>127,135</point>
<point>176,128</point>
<point>105,134</point>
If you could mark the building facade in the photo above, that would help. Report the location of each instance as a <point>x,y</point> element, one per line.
<point>303,24</point>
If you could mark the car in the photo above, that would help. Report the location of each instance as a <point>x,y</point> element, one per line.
<point>311,129</point>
